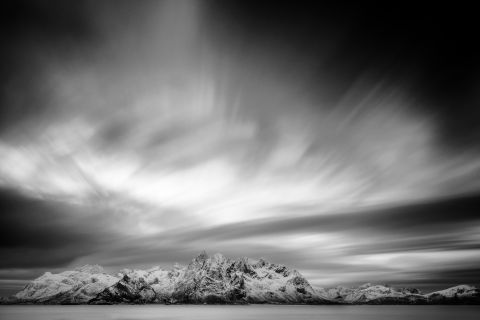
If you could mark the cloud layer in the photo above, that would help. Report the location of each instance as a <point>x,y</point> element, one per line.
<point>139,134</point>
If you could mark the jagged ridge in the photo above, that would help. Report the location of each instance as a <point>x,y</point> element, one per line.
<point>220,280</point>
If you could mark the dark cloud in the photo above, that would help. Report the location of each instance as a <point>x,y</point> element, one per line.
<point>41,233</point>
<point>449,277</point>
<point>49,19</point>
<point>395,242</point>
<point>436,217</point>
<point>429,281</point>
<point>428,50</point>
<point>34,35</point>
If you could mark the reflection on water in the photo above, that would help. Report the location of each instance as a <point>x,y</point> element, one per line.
<point>264,312</point>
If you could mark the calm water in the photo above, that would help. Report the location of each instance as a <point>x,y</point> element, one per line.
<point>264,312</point>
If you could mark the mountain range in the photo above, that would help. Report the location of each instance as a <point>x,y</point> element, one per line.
<point>217,280</point>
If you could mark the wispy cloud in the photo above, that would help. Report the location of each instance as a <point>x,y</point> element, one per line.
<point>147,133</point>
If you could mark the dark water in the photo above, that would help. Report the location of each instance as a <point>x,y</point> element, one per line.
<point>263,312</point>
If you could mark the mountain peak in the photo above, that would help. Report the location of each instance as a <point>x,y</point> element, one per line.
<point>201,258</point>
<point>261,263</point>
<point>365,285</point>
<point>88,268</point>
<point>219,257</point>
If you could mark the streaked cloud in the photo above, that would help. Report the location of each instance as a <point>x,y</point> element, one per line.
<point>145,142</point>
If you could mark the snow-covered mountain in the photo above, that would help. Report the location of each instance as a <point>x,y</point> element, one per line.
<point>462,294</point>
<point>374,294</point>
<point>382,294</point>
<point>216,279</point>
<point>206,279</point>
<point>77,286</point>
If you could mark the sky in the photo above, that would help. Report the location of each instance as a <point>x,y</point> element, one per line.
<point>339,139</point>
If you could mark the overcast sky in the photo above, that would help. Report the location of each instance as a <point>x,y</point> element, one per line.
<point>340,140</point>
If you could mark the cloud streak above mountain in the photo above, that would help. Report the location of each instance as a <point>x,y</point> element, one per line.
<point>140,134</point>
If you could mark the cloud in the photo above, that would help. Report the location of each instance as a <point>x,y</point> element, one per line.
<point>433,217</point>
<point>39,233</point>
<point>148,141</point>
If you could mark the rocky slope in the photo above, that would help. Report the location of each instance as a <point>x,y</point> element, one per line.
<point>217,279</point>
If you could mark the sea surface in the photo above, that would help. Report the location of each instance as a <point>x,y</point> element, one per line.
<point>263,312</point>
